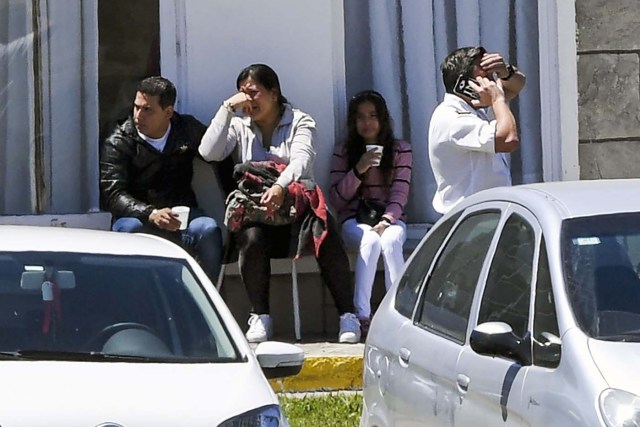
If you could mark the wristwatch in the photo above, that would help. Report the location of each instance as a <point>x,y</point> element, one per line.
<point>511,70</point>
<point>226,104</point>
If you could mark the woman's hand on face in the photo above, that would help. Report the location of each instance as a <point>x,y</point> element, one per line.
<point>367,160</point>
<point>239,100</point>
<point>273,197</point>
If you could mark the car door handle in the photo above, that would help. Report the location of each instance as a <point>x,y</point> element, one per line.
<point>463,382</point>
<point>404,356</point>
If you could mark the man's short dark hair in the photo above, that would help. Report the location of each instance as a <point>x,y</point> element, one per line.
<point>159,86</point>
<point>460,61</point>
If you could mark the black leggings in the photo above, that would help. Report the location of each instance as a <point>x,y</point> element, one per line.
<point>258,243</point>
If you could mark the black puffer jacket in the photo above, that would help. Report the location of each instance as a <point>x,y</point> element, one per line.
<point>135,178</point>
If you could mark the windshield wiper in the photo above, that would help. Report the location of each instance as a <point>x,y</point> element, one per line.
<point>630,336</point>
<point>10,355</point>
<point>94,356</point>
<point>78,356</point>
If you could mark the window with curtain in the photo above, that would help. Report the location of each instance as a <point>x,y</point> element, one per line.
<point>396,47</point>
<point>16,104</point>
<point>48,107</point>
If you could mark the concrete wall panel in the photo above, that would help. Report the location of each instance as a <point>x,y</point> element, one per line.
<point>607,24</point>
<point>608,87</point>
<point>618,159</point>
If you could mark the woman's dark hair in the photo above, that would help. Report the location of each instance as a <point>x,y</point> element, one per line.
<point>264,75</point>
<point>355,144</point>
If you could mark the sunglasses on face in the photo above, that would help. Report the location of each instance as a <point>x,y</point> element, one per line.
<point>367,94</point>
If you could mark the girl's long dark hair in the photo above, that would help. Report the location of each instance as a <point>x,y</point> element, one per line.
<point>355,144</point>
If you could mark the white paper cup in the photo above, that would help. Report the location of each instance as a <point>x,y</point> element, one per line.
<point>377,149</point>
<point>183,215</point>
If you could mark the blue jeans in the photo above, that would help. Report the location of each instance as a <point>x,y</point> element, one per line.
<point>202,238</point>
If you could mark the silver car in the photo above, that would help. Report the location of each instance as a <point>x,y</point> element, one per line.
<point>520,307</point>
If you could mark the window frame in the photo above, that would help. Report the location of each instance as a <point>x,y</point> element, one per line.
<point>539,241</point>
<point>507,215</point>
<point>535,356</point>
<point>416,259</point>
<point>482,208</point>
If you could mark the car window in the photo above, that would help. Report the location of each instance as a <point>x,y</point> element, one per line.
<point>545,320</point>
<point>507,292</point>
<point>151,307</point>
<point>414,274</point>
<point>599,258</point>
<point>449,289</point>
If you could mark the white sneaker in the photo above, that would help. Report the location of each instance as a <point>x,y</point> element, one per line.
<point>260,328</point>
<point>349,329</point>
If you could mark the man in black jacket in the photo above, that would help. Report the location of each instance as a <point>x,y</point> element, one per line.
<point>146,166</point>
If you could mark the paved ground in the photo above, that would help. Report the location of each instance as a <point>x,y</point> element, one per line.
<point>327,367</point>
<point>324,349</point>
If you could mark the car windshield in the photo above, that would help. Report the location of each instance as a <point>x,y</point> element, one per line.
<point>601,259</point>
<point>62,306</point>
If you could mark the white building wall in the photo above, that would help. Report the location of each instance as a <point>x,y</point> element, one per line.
<point>205,44</point>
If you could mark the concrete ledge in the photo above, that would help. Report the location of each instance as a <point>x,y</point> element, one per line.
<point>307,264</point>
<point>102,221</point>
<point>328,366</point>
<point>94,220</point>
<point>327,373</point>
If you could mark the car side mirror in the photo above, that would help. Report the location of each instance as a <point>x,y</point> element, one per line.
<point>498,339</point>
<point>278,359</point>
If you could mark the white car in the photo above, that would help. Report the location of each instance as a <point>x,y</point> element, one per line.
<point>110,329</point>
<point>520,307</point>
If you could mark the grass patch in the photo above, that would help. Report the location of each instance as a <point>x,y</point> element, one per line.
<point>327,410</point>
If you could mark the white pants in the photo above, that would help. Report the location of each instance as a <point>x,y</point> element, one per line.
<point>369,245</point>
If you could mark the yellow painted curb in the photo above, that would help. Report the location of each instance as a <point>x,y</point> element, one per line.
<point>323,373</point>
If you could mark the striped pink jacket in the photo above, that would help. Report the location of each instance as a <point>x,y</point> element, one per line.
<point>343,194</point>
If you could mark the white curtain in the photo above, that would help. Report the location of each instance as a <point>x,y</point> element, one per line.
<point>48,106</point>
<point>16,41</point>
<point>408,40</point>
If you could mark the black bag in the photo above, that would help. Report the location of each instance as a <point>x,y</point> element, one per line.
<point>369,212</point>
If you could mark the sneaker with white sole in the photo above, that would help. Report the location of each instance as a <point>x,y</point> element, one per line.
<point>349,329</point>
<point>260,328</point>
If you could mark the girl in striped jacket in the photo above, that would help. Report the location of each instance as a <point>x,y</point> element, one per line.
<point>359,172</point>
